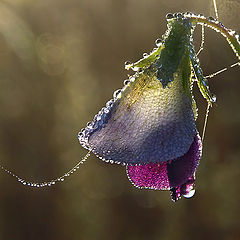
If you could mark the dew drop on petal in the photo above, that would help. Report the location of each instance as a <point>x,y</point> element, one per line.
<point>135,68</point>
<point>117,94</point>
<point>127,63</point>
<point>126,82</point>
<point>189,194</point>
<point>169,16</point>
<point>179,15</point>
<point>158,42</point>
<point>145,55</point>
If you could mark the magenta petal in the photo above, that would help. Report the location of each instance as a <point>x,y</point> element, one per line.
<point>168,175</point>
<point>184,167</point>
<point>151,175</point>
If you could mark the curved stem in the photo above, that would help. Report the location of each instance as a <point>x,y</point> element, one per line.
<point>231,36</point>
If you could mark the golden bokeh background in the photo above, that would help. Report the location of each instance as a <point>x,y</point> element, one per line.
<point>60,61</point>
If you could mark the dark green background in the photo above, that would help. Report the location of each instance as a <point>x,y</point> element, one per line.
<point>60,61</point>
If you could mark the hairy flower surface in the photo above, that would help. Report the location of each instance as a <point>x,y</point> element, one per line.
<point>150,126</point>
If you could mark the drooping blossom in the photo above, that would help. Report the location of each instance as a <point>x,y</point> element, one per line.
<point>150,125</point>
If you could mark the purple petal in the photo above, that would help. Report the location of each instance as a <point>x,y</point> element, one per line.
<point>184,167</point>
<point>176,175</point>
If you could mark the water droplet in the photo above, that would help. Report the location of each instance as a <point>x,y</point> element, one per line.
<point>237,36</point>
<point>132,79</point>
<point>117,94</point>
<point>169,16</point>
<point>158,42</point>
<point>189,194</point>
<point>179,15</point>
<point>98,118</point>
<point>175,193</point>
<point>135,68</point>
<point>214,98</point>
<point>126,82</point>
<point>106,110</point>
<point>232,32</point>
<point>145,55</point>
<point>90,124</point>
<point>211,19</point>
<point>221,24</point>
<point>127,63</point>
<point>109,104</point>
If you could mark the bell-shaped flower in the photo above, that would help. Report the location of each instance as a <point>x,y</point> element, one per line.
<point>149,126</point>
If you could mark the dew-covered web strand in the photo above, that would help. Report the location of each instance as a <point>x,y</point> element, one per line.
<point>51,182</point>
<point>208,106</point>
<point>202,40</point>
<point>205,121</point>
<point>203,29</point>
<point>223,70</point>
<point>215,8</point>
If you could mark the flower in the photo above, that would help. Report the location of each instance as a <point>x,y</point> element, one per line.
<point>177,175</point>
<point>150,126</point>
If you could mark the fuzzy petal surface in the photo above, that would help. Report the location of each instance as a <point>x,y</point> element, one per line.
<point>147,124</point>
<point>167,175</point>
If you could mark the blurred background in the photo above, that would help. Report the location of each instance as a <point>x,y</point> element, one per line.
<point>60,61</point>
